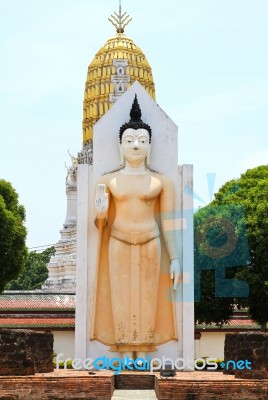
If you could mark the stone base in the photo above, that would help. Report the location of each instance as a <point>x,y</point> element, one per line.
<point>24,352</point>
<point>251,346</point>
<point>64,384</point>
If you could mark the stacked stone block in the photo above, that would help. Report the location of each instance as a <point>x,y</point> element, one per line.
<point>25,352</point>
<point>251,346</point>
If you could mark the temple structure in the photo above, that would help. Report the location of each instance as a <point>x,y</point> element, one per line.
<point>62,266</point>
<point>113,70</point>
<point>115,67</point>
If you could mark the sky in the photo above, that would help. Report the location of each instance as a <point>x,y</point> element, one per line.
<point>210,65</point>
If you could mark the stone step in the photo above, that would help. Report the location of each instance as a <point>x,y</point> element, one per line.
<point>134,395</point>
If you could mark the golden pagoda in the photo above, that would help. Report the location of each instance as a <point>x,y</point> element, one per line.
<point>117,65</point>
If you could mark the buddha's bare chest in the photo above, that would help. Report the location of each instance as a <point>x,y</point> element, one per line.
<point>144,188</point>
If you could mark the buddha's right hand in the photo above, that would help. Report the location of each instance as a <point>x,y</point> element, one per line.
<point>101,201</point>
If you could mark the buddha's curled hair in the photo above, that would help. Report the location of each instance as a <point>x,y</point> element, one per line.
<point>135,121</point>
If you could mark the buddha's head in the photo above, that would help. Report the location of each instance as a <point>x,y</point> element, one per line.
<point>135,138</point>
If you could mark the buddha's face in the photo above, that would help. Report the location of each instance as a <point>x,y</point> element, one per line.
<point>135,145</point>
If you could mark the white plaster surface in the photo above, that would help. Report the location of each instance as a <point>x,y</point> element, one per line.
<point>188,265</point>
<point>82,313</point>
<point>64,343</point>
<point>211,344</point>
<point>164,153</point>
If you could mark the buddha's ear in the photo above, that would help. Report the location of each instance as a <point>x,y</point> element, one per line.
<point>122,158</point>
<point>148,159</point>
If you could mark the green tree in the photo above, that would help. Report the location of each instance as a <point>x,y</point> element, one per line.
<point>12,234</point>
<point>221,246</point>
<point>238,216</point>
<point>35,272</point>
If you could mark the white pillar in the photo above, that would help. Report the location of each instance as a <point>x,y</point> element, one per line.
<point>81,313</point>
<point>188,265</point>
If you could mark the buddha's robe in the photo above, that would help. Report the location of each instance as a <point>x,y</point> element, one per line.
<point>133,308</point>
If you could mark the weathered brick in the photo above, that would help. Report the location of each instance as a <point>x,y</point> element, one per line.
<point>78,385</point>
<point>24,352</point>
<point>251,346</point>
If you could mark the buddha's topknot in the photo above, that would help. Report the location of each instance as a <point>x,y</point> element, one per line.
<point>135,121</point>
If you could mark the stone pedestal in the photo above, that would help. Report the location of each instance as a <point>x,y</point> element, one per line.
<point>24,352</point>
<point>230,351</point>
<point>42,346</point>
<point>250,346</point>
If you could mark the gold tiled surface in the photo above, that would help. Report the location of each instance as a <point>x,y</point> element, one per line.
<point>98,84</point>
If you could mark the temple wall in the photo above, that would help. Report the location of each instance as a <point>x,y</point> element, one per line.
<point>210,344</point>
<point>64,343</point>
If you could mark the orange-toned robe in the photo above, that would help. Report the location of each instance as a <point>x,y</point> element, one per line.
<point>134,309</point>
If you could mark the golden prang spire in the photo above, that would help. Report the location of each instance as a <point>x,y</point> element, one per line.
<point>115,67</point>
<point>120,21</point>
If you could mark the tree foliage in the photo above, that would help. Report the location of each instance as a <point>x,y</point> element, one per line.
<point>241,206</point>
<point>35,272</point>
<point>12,234</point>
<point>220,245</point>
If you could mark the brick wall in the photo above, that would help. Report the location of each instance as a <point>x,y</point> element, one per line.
<point>54,387</point>
<point>230,351</point>
<point>71,385</point>
<point>212,390</point>
<point>251,346</point>
<point>24,352</point>
<point>134,381</point>
<point>42,345</point>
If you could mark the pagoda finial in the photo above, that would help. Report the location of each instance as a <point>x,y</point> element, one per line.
<point>120,21</point>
